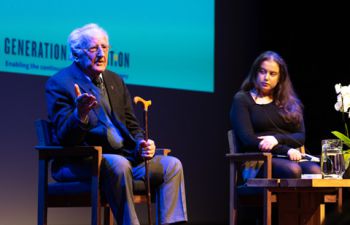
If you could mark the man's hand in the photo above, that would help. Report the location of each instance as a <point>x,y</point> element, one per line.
<point>85,102</point>
<point>147,149</point>
<point>267,143</point>
<point>294,154</point>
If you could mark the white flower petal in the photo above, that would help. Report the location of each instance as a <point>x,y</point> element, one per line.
<point>345,90</point>
<point>337,106</point>
<point>337,88</point>
<point>346,106</point>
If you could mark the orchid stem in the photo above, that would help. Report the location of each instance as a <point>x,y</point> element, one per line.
<point>346,129</point>
<point>343,115</point>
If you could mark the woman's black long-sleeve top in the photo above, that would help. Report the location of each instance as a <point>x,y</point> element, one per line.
<point>250,120</point>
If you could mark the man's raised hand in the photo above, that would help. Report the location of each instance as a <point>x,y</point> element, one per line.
<point>84,102</point>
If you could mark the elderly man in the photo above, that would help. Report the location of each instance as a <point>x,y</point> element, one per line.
<point>90,105</point>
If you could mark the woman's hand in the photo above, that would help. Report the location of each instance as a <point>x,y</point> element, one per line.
<point>267,143</point>
<point>294,154</point>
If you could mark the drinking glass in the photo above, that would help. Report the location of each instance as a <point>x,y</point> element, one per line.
<point>332,160</point>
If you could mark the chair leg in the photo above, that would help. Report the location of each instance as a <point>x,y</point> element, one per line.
<point>42,214</point>
<point>340,200</point>
<point>108,216</point>
<point>267,207</point>
<point>42,190</point>
<point>42,210</point>
<point>233,194</point>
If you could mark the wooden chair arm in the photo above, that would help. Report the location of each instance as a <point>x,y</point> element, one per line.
<point>74,151</point>
<point>162,151</point>
<point>249,156</point>
<point>80,151</point>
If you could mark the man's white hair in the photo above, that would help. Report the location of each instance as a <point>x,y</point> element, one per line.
<point>79,37</point>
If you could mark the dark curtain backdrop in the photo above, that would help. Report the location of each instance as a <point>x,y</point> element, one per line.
<point>314,40</point>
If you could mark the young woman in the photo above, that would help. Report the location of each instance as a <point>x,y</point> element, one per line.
<point>267,116</point>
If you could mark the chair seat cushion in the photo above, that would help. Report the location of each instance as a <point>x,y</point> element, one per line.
<point>80,187</point>
<point>68,188</point>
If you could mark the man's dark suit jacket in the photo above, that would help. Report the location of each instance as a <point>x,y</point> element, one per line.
<point>70,130</point>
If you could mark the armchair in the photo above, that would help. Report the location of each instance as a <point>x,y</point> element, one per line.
<point>75,194</point>
<point>239,194</point>
<point>257,196</point>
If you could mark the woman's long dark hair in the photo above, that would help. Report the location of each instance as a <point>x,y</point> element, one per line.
<point>283,94</point>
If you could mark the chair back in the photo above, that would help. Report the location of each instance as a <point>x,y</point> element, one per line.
<point>242,167</point>
<point>44,132</point>
<point>232,141</point>
<point>249,169</point>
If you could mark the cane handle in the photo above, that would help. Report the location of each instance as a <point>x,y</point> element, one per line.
<point>143,101</point>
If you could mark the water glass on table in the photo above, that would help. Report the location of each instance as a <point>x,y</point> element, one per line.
<point>332,160</point>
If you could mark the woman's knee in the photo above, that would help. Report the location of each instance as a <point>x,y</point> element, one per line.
<point>283,168</point>
<point>315,169</point>
<point>311,168</point>
<point>295,171</point>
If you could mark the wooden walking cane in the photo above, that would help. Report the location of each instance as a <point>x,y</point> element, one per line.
<point>146,104</point>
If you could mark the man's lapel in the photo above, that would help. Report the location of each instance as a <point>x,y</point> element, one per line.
<point>113,95</point>
<point>115,98</point>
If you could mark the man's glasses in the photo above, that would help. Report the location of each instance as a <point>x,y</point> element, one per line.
<point>96,48</point>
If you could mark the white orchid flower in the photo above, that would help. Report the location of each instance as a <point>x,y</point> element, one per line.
<point>345,90</point>
<point>346,103</point>
<point>343,98</point>
<point>337,88</point>
<point>343,105</point>
<point>337,106</point>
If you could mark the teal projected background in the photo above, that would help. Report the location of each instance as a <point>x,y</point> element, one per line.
<point>154,43</point>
